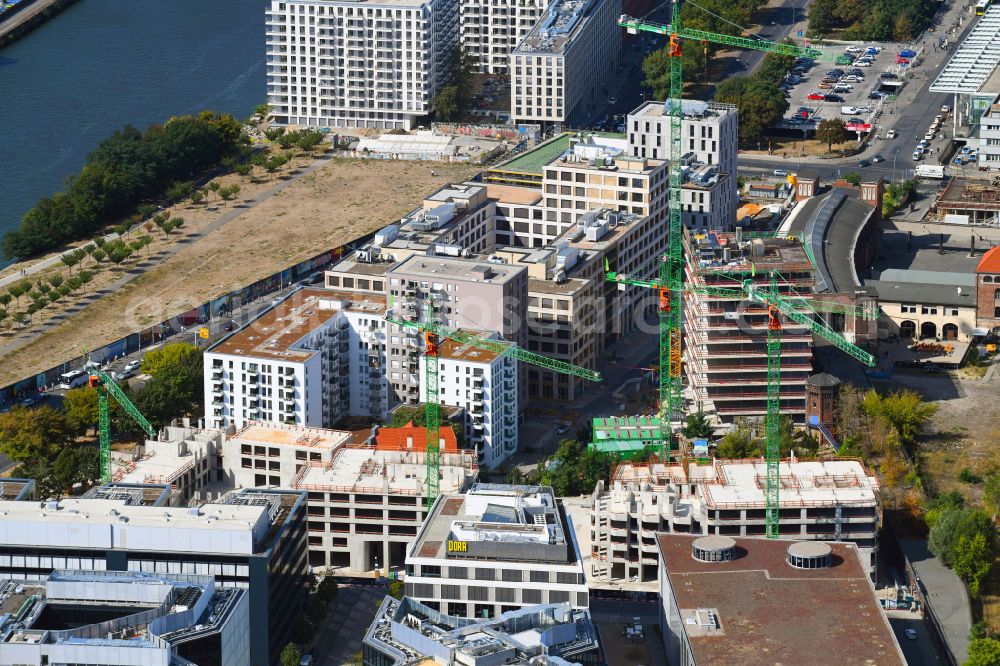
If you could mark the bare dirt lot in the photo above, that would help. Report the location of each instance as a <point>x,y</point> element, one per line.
<point>341,200</point>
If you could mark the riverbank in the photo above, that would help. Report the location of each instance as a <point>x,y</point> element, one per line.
<point>27,18</point>
<point>322,209</point>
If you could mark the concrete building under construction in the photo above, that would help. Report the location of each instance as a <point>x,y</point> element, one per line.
<point>725,338</point>
<point>829,500</point>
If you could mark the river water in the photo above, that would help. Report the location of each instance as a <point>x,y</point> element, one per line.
<point>102,64</point>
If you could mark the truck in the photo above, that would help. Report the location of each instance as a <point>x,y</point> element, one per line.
<point>848,110</point>
<point>935,171</point>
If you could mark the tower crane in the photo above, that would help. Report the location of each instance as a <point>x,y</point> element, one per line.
<point>778,306</point>
<point>434,334</point>
<point>107,389</point>
<point>672,271</point>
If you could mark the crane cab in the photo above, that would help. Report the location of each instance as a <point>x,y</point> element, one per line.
<point>93,381</point>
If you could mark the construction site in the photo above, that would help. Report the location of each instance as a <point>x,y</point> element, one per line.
<point>836,499</point>
<point>969,201</point>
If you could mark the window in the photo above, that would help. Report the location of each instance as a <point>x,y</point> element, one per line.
<point>478,593</point>
<point>928,309</point>
<point>539,577</point>
<point>512,576</point>
<point>506,594</point>
<point>485,574</point>
<point>531,596</point>
<point>449,592</point>
<point>458,572</point>
<point>907,307</point>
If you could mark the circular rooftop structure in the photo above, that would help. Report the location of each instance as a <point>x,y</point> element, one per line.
<point>713,548</point>
<point>810,555</point>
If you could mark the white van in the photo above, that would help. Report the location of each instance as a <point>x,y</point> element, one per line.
<point>72,379</point>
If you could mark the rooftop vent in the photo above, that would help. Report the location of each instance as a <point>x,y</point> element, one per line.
<point>810,555</point>
<point>713,549</point>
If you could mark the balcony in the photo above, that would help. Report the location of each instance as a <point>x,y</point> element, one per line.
<point>217,387</point>
<point>217,373</point>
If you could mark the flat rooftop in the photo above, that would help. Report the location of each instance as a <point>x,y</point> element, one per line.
<point>532,162</point>
<point>970,193</point>
<point>692,109</point>
<point>351,265</point>
<point>778,254</point>
<point>566,288</point>
<point>156,468</point>
<point>500,522</point>
<point>558,27</point>
<point>926,252</point>
<point>298,436</point>
<point>738,484</point>
<point>471,270</point>
<point>919,286</point>
<point>512,194</point>
<point>769,612</point>
<point>376,471</point>
<point>279,332</point>
<point>459,351</point>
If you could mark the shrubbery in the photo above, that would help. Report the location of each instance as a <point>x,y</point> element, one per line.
<point>125,169</point>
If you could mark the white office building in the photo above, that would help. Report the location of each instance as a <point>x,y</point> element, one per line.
<point>561,70</point>
<point>491,30</point>
<point>484,384</point>
<point>316,357</point>
<point>77,618</point>
<point>336,63</point>
<point>495,549</point>
<point>709,145</point>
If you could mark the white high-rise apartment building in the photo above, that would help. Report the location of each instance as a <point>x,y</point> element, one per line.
<point>709,145</point>
<point>491,30</point>
<point>313,359</point>
<point>357,64</point>
<point>484,383</point>
<point>560,71</point>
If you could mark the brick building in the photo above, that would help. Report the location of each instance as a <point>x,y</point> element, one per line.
<point>988,292</point>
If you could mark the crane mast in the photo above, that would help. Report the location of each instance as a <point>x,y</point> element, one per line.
<point>107,389</point>
<point>434,334</point>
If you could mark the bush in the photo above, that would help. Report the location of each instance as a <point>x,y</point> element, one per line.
<point>125,169</point>
<point>967,476</point>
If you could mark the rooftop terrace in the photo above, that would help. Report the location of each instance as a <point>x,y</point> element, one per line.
<point>297,436</point>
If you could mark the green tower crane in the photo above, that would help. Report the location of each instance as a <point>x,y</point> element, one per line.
<point>672,270</point>
<point>433,334</point>
<point>107,389</point>
<point>777,305</point>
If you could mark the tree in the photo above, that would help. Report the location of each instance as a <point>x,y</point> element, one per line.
<point>760,102</point>
<point>903,29</point>
<point>575,469</point>
<point>5,299</point>
<point>397,589</point>
<point>983,652</point>
<point>76,464</point>
<point>832,130</point>
<point>227,193</point>
<point>446,103</point>
<point>905,410</point>
<point>272,133</point>
<point>215,185</point>
<point>80,408</point>
<point>56,280</point>
<point>737,445</point>
<point>973,559</point>
<point>309,139</point>
<point>197,197</point>
<point>27,434</point>
<point>71,259</point>
<point>16,291</point>
<point>656,67</point>
<point>180,189</point>
<point>291,655</point>
<point>697,426</point>
<point>821,18</point>
<point>327,589</point>
<point>316,610</point>
<point>98,255</point>
<point>854,178</point>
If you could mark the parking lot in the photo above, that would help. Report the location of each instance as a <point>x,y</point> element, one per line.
<point>818,91</point>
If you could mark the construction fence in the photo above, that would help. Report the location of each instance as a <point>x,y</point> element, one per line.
<point>163,331</point>
<point>490,131</point>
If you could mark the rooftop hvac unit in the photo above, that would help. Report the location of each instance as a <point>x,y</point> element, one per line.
<point>597,231</point>
<point>386,235</point>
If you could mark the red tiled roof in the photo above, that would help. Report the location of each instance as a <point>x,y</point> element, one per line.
<point>395,439</point>
<point>990,263</point>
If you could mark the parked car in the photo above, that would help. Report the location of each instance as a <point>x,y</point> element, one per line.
<point>862,63</point>
<point>907,53</point>
<point>888,75</point>
<point>902,61</point>
<point>864,109</point>
<point>851,78</point>
<point>825,86</point>
<point>853,49</point>
<point>911,634</point>
<point>864,163</point>
<point>229,326</point>
<point>780,173</point>
<point>875,95</point>
<point>834,98</point>
<point>891,134</point>
<point>815,97</point>
<point>945,109</point>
